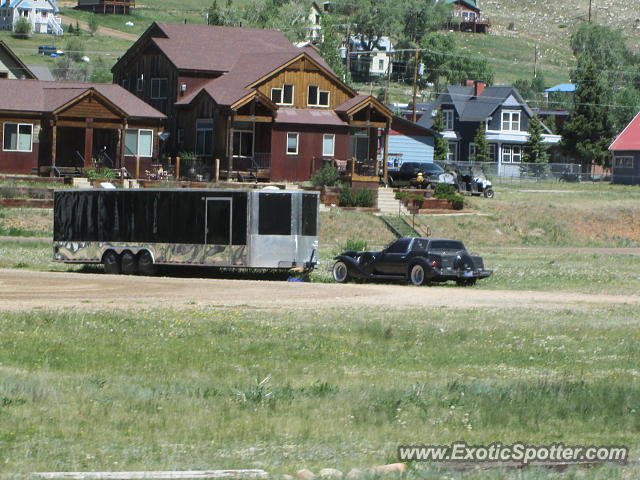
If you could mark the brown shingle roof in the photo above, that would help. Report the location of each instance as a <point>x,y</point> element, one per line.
<point>42,97</point>
<point>215,48</point>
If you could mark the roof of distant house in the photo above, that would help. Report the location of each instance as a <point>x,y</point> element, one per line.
<point>562,87</point>
<point>43,97</point>
<point>42,72</point>
<point>629,138</point>
<point>469,3</point>
<point>469,107</point>
<point>26,71</point>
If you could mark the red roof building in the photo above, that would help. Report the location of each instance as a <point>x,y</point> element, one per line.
<point>625,163</point>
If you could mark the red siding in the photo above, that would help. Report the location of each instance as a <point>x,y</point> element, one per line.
<point>19,162</point>
<point>298,167</point>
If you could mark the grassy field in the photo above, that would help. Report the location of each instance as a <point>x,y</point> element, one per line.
<point>223,388</point>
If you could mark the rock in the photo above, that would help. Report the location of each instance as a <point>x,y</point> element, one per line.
<point>331,473</point>
<point>355,474</point>
<point>286,477</point>
<point>305,474</point>
<point>390,468</point>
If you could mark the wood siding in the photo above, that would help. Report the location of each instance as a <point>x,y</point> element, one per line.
<point>90,107</point>
<point>20,162</point>
<point>302,74</point>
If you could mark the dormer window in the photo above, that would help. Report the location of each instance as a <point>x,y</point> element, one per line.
<point>282,96</point>
<point>447,119</point>
<point>317,97</point>
<point>510,121</point>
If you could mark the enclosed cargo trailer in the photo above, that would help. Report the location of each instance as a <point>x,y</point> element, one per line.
<point>133,231</point>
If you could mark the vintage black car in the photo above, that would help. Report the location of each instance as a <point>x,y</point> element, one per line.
<point>417,260</point>
<point>408,171</point>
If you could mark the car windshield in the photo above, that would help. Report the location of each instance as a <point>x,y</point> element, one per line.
<point>446,245</point>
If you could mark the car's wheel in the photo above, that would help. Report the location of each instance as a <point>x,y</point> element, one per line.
<point>467,282</point>
<point>145,264</point>
<point>340,272</point>
<point>489,193</point>
<point>129,263</point>
<point>417,275</point>
<point>111,262</point>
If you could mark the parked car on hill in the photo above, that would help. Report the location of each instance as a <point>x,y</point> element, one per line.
<point>417,260</point>
<point>408,171</point>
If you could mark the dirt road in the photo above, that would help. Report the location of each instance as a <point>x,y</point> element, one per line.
<point>23,290</point>
<point>105,31</point>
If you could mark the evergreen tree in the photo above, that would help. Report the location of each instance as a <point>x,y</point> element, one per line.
<point>534,150</point>
<point>588,132</point>
<point>441,147</point>
<point>482,146</point>
<point>213,14</point>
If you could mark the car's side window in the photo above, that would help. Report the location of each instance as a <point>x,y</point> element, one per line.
<point>419,245</point>
<point>399,247</point>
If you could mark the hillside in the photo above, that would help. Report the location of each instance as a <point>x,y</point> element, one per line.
<point>518,27</point>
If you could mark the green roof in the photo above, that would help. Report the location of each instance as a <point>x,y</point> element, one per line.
<point>471,3</point>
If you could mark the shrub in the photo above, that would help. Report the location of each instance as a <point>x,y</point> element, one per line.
<point>444,191</point>
<point>327,176</point>
<point>22,28</point>
<point>363,197</point>
<point>355,245</point>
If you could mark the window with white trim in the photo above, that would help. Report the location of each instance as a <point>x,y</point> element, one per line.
<point>159,88</point>
<point>511,154</point>
<point>138,143</point>
<point>243,143</point>
<point>204,136</point>
<point>510,121</point>
<point>18,137</point>
<point>380,64</point>
<point>622,162</point>
<point>292,143</point>
<point>282,96</point>
<point>493,152</point>
<point>452,152</point>
<point>328,144</point>
<point>317,97</point>
<point>447,118</point>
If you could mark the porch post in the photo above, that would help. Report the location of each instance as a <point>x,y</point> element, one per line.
<point>230,146</point>
<point>385,154</point>
<point>54,145</point>
<point>88,143</point>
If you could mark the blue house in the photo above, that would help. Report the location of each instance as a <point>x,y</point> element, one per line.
<point>501,109</point>
<point>409,141</point>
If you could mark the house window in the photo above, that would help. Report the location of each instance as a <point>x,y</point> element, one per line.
<point>292,143</point>
<point>180,139</point>
<point>159,88</point>
<point>452,152</point>
<point>492,152</point>
<point>511,154</point>
<point>381,64</point>
<point>140,84</point>
<point>622,162</point>
<point>328,145</point>
<point>18,137</point>
<point>472,151</point>
<point>282,96</point>
<point>510,121</point>
<point>125,84</point>
<point>4,74</point>
<point>138,143</point>
<point>447,117</point>
<point>204,136</point>
<point>243,143</point>
<point>317,97</point>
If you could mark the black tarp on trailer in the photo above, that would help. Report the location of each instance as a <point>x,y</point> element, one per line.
<point>147,216</point>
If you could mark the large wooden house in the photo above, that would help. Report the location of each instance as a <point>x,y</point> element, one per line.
<point>49,127</point>
<point>251,99</point>
<point>467,16</point>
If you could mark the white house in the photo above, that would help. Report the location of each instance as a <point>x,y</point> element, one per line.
<point>376,62</point>
<point>41,14</point>
<point>315,22</point>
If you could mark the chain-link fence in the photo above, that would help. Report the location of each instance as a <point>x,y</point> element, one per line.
<point>555,172</point>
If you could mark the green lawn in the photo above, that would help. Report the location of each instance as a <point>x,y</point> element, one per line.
<point>244,388</point>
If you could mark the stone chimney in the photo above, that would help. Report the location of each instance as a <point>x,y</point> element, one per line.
<point>479,87</point>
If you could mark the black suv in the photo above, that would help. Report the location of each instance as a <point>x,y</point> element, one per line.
<point>409,170</point>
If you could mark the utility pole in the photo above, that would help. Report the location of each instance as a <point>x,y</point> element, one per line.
<point>535,61</point>
<point>415,86</point>
<point>348,49</point>
<point>590,11</point>
<point>386,91</point>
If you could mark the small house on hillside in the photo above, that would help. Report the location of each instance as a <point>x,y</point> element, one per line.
<point>107,6</point>
<point>365,63</point>
<point>625,164</point>
<point>11,66</point>
<point>41,14</point>
<point>467,16</point>
<point>46,126</point>
<point>251,99</point>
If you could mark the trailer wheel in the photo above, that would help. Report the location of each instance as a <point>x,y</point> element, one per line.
<point>129,263</point>
<point>146,266</point>
<point>111,262</point>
